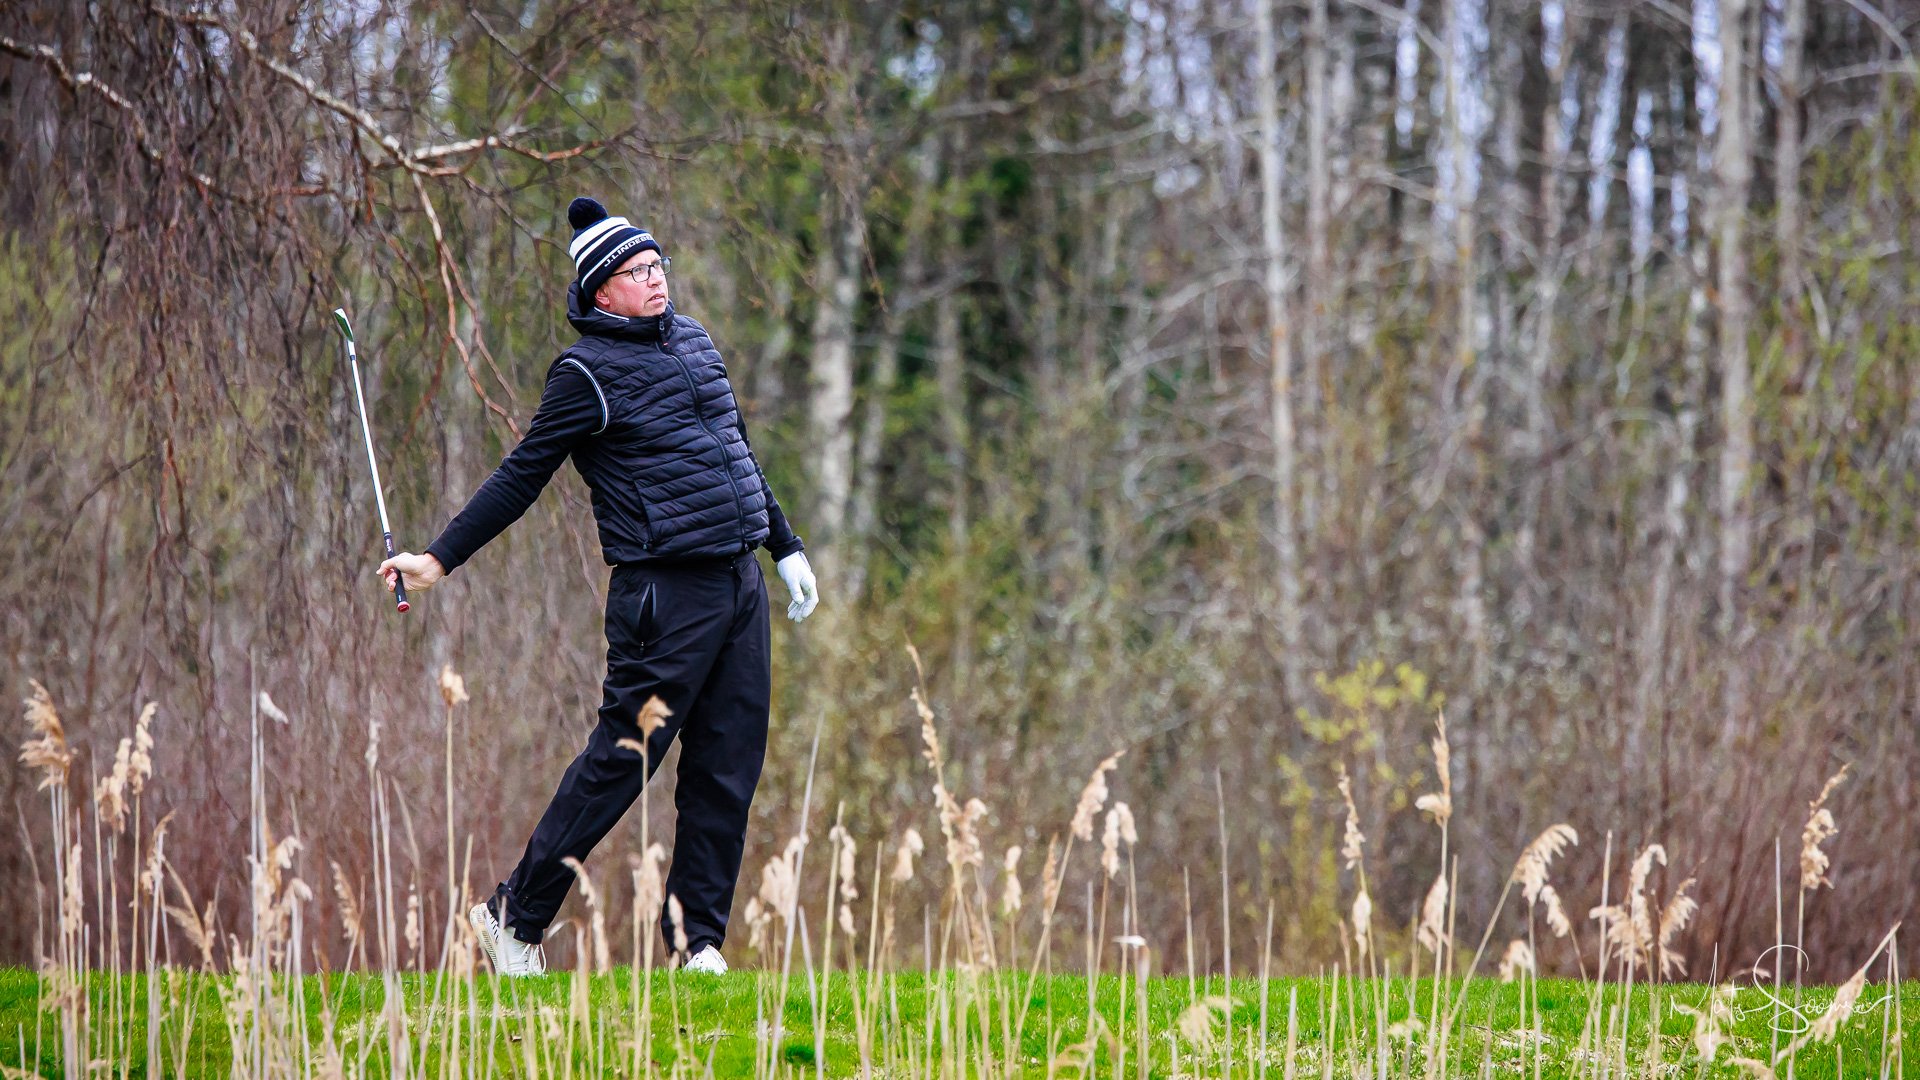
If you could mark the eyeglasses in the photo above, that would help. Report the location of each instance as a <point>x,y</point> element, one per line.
<point>642,272</point>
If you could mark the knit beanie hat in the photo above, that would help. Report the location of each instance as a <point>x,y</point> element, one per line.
<point>601,244</point>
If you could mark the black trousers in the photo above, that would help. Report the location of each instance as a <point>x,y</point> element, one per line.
<point>696,634</point>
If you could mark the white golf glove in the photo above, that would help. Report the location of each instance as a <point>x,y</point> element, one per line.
<point>799,578</point>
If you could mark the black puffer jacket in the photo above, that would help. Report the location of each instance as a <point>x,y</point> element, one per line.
<point>644,408</point>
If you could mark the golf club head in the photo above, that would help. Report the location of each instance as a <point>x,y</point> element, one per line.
<point>346,328</point>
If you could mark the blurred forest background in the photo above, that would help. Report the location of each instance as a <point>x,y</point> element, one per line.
<point>1236,383</point>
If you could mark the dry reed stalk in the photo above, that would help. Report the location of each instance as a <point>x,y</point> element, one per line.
<point>197,927</point>
<point>1352,841</point>
<point>132,765</point>
<point>676,916</point>
<point>1711,1022</point>
<point>1352,851</point>
<point>1361,916</point>
<point>1530,872</point>
<point>47,751</point>
<point>453,688</point>
<point>453,692</point>
<point>1440,803</point>
<point>1557,919</point>
<point>1433,913</point>
<point>1226,920</point>
<point>1517,960</point>
<point>910,848</point>
<point>964,1005</point>
<point>1818,829</point>
<point>272,710</point>
<point>1814,864</point>
<point>1674,918</point>
<point>349,911</point>
<point>1823,1029</point>
<point>781,895</point>
<point>1119,829</point>
<point>1010,892</point>
<point>1196,1022</point>
<point>596,916</point>
<point>1092,797</point>
<point>846,885</point>
<point>1629,924</point>
<point>412,932</point>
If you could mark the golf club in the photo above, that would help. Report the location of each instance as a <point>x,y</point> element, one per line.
<point>380,499</point>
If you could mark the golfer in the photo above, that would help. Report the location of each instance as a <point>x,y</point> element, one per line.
<point>641,404</point>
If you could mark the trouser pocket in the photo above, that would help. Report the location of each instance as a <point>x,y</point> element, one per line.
<point>634,616</point>
<point>644,622</point>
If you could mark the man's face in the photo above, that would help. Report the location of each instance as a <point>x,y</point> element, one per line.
<point>637,288</point>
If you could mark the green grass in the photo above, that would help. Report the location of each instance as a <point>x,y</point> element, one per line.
<point>700,1018</point>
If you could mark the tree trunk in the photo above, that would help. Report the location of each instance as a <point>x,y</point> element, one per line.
<point>949,361</point>
<point>1471,408</point>
<point>886,368</point>
<point>1312,339</point>
<point>767,387</point>
<point>1555,140</point>
<point>1672,527</point>
<point>1786,152</point>
<point>830,379</point>
<point>1280,360</point>
<point>1733,173</point>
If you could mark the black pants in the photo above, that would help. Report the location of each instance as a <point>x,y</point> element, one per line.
<point>696,634</point>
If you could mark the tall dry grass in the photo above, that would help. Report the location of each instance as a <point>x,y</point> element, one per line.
<point>841,930</point>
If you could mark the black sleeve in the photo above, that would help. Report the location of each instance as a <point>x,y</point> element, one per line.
<point>781,541</point>
<point>571,409</point>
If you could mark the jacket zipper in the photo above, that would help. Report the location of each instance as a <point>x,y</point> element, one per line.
<point>700,417</point>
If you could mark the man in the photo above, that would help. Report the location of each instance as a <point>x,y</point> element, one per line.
<point>641,403</point>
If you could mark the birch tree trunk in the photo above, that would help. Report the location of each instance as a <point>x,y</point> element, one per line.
<point>1733,174</point>
<point>830,377</point>
<point>1312,336</point>
<point>1279,359</point>
<point>1786,150</point>
<point>1471,408</point>
<point>837,279</point>
<point>1555,139</point>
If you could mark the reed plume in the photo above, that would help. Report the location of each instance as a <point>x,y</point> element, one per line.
<point>1819,828</point>
<point>1093,797</point>
<point>1518,960</point>
<point>47,751</point>
<point>1440,803</point>
<point>1673,919</point>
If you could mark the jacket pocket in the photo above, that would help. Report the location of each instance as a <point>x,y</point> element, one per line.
<point>646,521</point>
<point>643,616</point>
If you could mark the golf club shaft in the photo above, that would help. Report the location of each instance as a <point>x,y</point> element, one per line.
<point>366,432</point>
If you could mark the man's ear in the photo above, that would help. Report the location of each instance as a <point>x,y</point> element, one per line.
<point>601,298</point>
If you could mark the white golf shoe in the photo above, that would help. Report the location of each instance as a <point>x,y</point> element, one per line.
<point>509,954</point>
<point>707,961</point>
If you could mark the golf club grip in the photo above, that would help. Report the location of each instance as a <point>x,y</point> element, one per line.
<point>399,579</point>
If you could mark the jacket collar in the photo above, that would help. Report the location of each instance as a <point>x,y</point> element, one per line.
<point>590,321</point>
